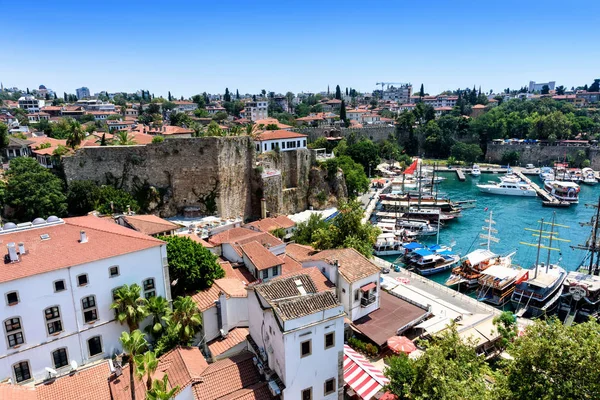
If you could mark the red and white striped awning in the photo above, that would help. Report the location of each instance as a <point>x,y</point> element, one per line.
<point>361,375</point>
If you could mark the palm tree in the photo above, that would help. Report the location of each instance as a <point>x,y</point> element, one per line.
<point>252,130</point>
<point>133,344</point>
<point>76,135</point>
<point>235,130</point>
<point>159,390</point>
<point>146,364</point>
<point>158,308</point>
<point>130,306</point>
<point>186,316</point>
<point>123,139</point>
<point>214,129</point>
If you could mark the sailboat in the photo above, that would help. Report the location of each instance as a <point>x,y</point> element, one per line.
<point>539,290</point>
<point>580,299</point>
<point>473,264</point>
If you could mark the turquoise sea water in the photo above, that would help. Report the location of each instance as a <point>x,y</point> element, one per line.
<point>512,216</point>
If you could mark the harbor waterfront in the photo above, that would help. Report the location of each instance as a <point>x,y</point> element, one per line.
<point>512,214</point>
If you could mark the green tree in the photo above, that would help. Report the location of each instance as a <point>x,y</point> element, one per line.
<point>112,200</point>
<point>158,139</point>
<point>354,174</point>
<point>422,91</point>
<point>366,153</point>
<point>186,317</point>
<point>3,135</point>
<point>146,365</point>
<point>594,87</point>
<point>506,324</point>
<point>82,197</point>
<point>305,231</point>
<point>343,112</point>
<point>32,191</point>
<point>213,129</point>
<point>158,308</point>
<point>510,157</point>
<point>466,152</point>
<point>133,345</point>
<point>103,139</point>
<point>338,92</point>
<point>123,138</point>
<point>554,361</point>
<point>76,135</point>
<point>401,373</point>
<point>160,390</point>
<point>129,306</point>
<point>560,90</point>
<point>545,89</point>
<point>191,265</point>
<point>278,233</point>
<point>227,96</point>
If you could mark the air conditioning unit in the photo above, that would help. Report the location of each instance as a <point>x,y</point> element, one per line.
<point>255,360</point>
<point>261,369</point>
<point>223,333</point>
<point>274,388</point>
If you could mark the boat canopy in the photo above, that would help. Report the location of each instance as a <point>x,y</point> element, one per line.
<point>423,252</point>
<point>412,246</point>
<point>501,272</point>
<point>479,255</point>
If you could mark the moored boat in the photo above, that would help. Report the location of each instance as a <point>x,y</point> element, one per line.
<point>497,283</point>
<point>428,262</point>
<point>589,176</point>
<point>475,171</point>
<point>563,191</point>
<point>508,188</point>
<point>546,174</point>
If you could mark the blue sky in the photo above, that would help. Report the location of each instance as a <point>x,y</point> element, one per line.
<point>193,46</point>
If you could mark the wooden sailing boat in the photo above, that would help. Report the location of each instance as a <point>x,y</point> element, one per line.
<point>538,292</point>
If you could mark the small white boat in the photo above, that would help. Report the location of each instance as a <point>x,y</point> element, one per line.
<point>546,174</point>
<point>589,176</point>
<point>387,244</point>
<point>563,191</point>
<point>508,188</point>
<point>475,171</point>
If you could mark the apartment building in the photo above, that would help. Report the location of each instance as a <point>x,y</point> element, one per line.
<point>256,110</point>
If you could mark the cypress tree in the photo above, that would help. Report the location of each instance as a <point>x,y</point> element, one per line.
<point>169,96</point>
<point>237,94</point>
<point>346,92</point>
<point>54,95</point>
<point>338,92</point>
<point>343,111</point>
<point>103,140</point>
<point>227,96</point>
<point>27,90</point>
<point>65,96</point>
<point>422,91</point>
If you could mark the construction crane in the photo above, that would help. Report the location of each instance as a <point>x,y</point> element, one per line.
<point>390,83</point>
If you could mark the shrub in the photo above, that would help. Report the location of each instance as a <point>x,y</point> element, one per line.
<point>158,139</point>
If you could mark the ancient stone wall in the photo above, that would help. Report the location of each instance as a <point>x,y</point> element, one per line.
<point>213,173</point>
<point>374,133</point>
<point>537,154</point>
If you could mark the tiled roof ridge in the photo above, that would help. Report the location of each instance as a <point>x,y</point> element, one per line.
<point>69,221</point>
<point>226,363</point>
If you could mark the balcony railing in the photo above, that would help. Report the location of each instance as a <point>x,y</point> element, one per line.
<point>367,301</point>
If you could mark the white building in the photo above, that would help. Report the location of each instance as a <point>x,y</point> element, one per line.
<point>279,139</point>
<point>298,336</point>
<point>82,93</point>
<point>30,103</point>
<point>538,87</point>
<point>256,110</point>
<point>57,285</point>
<point>401,94</point>
<point>184,106</point>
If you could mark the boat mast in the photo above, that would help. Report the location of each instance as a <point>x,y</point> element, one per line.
<point>537,257</point>
<point>550,244</point>
<point>593,249</point>
<point>489,239</point>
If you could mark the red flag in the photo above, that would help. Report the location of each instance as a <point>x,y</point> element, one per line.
<point>523,278</point>
<point>412,168</point>
<point>485,209</point>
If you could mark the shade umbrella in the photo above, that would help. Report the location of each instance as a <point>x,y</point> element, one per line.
<point>401,344</point>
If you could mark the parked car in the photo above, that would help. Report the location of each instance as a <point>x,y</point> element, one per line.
<point>385,270</point>
<point>529,166</point>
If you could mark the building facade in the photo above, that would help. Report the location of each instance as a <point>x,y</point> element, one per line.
<point>82,92</point>
<point>538,87</point>
<point>57,286</point>
<point>256,110</point>
<point>30,104</point>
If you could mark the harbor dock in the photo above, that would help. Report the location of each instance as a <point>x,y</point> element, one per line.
<point>461,174</point>
<point>541,192</point>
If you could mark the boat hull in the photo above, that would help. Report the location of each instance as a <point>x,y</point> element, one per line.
<point>506,192</point>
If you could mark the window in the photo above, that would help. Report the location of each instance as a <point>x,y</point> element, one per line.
<point>276,270</point>
<point>149,288</point>
<point>356,295</point>
<point>304,143</point>
<point>14,332</point>
<point>329,340</point>
<point>307,394</point>
<point>94,346</point>
<point>60,358</point>
<point>265,273</point>
<point>305,348</point>
<point>22,372</point>
<point>90,312</point>
<point>53,321</point>
<point>82,280</point>
<point>113,271</point>
<point>12,298</point>
<point>59,286</point>
<point>329,386</point>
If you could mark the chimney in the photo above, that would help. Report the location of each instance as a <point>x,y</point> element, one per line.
<point>82,237</point>
<point>21,248</point>
<point>12,252</point>
<point>128,209</point>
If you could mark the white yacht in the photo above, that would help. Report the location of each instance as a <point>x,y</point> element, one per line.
<point>508,187</point>
<point>387,244</point>
<point>475,171</point>
<point>589,176</point>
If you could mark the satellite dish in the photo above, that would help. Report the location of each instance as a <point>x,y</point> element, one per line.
<point>51,371</point>
<point>74,365</point>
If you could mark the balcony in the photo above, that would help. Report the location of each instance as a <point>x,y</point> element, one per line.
<point>366,301</point>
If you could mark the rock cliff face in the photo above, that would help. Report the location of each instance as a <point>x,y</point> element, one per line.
<point>217,175</point>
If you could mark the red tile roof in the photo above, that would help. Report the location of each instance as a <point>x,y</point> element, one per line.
<point>227,377</point>
<point>17,392</point>
<point>260,257</point>
<point>183,366</point>
<point>244,235</point>
<point>289,264</point>
<point>149,224</point>
<point>234,337</point>
<point>299,252</point>
<point>63,249</point>
<point>279,134</point>
<point>198,239</point>
<point>270,224</point>
<point>86,384</point>
<point>353,266</point>
<point>205,299</point>
<point>321,282</point>
<point>272,121</point>
<point>240,273</point>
